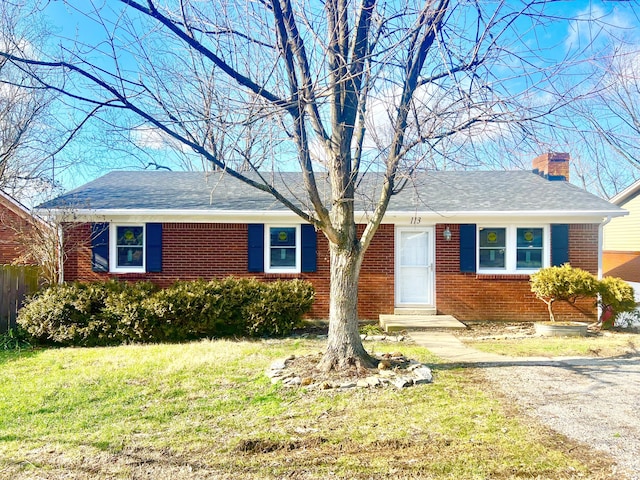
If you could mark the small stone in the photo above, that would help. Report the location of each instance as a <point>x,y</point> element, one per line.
<point>326,386</point>
<point>292,381</point>
<point>279,365</point>
<point>384,365</point>
<point>274,373</point>
<point>387,373</point>
<point>306,381</point>
<point>402,382</point>
<point>373,381</point>
<point>362,383</point>
<point>422,375</point>
<point>347,385</point>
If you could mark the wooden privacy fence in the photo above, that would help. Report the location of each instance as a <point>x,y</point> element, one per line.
<point>16,282</point>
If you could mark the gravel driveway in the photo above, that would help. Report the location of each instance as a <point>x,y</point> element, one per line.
<point>594,401</point>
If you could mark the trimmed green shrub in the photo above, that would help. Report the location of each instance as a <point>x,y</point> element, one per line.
<point>81,313</point>
<point>107,313</point>
<point>616,297</point>
<point>276,310</point>
<point>564,283</point>
<point>567,283</point>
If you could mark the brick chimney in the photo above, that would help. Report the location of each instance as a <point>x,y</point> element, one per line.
<point>552,166</point>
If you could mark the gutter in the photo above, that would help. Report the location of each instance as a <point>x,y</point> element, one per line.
<point>601,243</point>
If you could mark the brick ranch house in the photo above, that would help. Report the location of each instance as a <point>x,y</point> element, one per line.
<point>462,243</point>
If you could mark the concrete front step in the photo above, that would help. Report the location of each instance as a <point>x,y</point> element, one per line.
<point>396,323</point>
<point>414,311</point>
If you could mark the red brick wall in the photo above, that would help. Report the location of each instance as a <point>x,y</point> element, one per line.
<point>204,250</point>
<point>193,250</point>
<point>10,224</point>
<point>470,296</point>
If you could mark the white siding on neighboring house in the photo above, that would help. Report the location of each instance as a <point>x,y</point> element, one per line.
<point>622,234</point>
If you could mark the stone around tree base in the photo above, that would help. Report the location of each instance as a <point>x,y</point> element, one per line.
<point>561,329</point>
<point>397,372</point>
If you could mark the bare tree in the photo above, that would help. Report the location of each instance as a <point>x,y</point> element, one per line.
<point>606,121</point>
<point>339,88</point>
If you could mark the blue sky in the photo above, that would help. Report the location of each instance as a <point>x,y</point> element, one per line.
<point>557,39</point>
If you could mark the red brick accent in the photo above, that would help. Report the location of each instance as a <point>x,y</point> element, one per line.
<point>206,250</point>
<point>554,164</point>
<point>625,265</point>
<point>469,296</point>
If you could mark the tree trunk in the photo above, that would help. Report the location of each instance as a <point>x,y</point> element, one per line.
<point>344,346</point>
<point>552,317</point>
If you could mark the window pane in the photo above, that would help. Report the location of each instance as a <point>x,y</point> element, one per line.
<point>283,257</point>
<point>529,258</point>
<point>130,256</point>
<point>283,237</point>
<point>492,258</point>
<point>492,237</point>
<point>130,235</point>
<point>529,238</point>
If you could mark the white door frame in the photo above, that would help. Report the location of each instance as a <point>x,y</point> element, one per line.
<point>430,294</point>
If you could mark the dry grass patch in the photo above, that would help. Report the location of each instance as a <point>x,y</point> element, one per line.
<point>206,410</point>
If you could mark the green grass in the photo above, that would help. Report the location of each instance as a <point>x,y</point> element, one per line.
<point>603,345</point>
<point>206,410</point>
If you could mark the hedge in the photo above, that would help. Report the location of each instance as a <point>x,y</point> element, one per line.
<point>111,313</point>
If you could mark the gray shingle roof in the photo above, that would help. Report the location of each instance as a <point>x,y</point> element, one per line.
<point>468,191</point>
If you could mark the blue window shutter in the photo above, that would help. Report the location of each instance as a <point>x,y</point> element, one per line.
<point>100,247</point>
<point>256,247</point>
<point>153,246</point>
<point>559,244</point>
<point>309,245</point>
<point>468,248</point>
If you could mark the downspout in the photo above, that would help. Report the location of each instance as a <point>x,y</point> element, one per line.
<point>60,253</point>
<point>601,243</point>
<point>600,246</point>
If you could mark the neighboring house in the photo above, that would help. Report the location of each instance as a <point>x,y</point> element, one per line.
<point>462,243</point>
<point>621,245</point>
<point>15,223</point>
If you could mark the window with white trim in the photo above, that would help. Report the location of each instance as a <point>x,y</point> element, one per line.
<point>282,248</point>
<point>513,249</point>
<point>127,248</point>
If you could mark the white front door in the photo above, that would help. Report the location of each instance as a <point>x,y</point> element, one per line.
<point>414,267</point>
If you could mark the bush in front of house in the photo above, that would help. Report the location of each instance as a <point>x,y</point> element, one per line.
<point>90,314</point>
<point>275,308</point>
<point>108,313</point>
<point>616,297</point>
<point>567,283</point>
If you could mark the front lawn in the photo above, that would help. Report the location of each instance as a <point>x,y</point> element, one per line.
<point>206,410</point>
<point>519,340</point>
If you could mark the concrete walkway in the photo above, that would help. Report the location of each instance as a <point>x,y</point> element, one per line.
<point>447,346</point>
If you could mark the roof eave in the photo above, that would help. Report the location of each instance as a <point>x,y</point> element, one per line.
<point>624,195</point>
<point>280,215</point>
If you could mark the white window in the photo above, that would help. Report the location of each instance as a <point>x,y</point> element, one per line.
<point>282,249</point>
<point>513,249</point>
<point>126,248</point>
